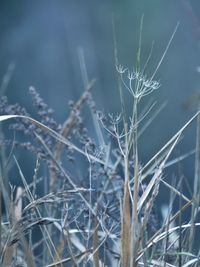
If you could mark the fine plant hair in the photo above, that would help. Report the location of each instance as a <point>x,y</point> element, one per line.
<point>98,206</point>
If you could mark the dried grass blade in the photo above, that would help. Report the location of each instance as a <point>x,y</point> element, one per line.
<point>168,144</point>
<point>135,230</point>
<point>196,189</point>
<point>156,176</point>
<point>126,226</point>
<point>95,241</point>
<point>56,136</point>
<point>150,243</point>
<point>78,257</point>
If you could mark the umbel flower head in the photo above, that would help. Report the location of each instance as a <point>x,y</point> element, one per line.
<point>137,83</point>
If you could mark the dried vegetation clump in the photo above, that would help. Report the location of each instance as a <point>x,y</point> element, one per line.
<point>97,207</point>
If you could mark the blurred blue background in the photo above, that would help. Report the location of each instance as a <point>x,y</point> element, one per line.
<point>44,39</point>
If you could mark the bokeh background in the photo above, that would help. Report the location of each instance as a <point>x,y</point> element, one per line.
<point>44,41</point>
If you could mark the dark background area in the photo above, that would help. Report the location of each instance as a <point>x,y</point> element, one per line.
<point>44,39</point>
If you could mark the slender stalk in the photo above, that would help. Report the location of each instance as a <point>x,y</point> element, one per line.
<point>196,189</point>
<point>135,226</point>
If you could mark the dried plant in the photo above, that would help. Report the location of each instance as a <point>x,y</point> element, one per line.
<point>98,207</point>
